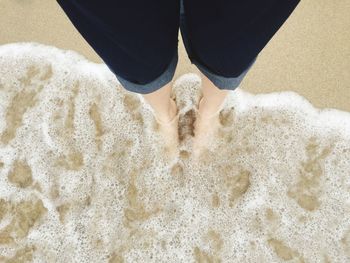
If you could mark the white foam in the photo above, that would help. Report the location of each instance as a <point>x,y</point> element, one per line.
<point>110,194</point>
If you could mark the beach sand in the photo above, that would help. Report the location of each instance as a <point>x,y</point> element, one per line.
<point>85,177</point>
<point>309,54</point>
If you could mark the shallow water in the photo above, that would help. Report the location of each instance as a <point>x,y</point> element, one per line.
<point>84,176</point>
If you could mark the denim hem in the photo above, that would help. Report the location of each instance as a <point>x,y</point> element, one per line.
<point>223,82</point>
<point>220,82</point>
<point>154,85</point>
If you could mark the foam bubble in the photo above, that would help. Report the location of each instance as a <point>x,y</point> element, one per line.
<point>84,176</point>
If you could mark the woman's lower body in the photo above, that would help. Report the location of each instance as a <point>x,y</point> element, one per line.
<point>138,41</point>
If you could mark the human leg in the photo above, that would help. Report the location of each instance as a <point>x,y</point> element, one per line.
<point>223,39</point>
<point>165,108</point>
<point>136,39</point>
<point>138,42</point>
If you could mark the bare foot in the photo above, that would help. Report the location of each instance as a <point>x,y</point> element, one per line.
<point>205,126</point>
<point>168,127</point>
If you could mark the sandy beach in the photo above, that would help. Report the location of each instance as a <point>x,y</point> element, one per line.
<point>86,177</point>
<point>308,55</point>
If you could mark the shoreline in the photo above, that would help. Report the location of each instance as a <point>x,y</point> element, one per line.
<point>299,57</point>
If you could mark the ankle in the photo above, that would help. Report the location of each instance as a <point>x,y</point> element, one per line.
<point>169,115</point>
<point>173,110</point>
<point>208,110</point>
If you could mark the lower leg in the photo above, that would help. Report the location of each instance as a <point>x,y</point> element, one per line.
<point>207,121</point>
<point>166,114</point>
<point>164,107</point>
<point>212,99</point>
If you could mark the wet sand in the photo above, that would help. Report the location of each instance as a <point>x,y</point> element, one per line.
<point>308,55</point>
<point>85,177</point>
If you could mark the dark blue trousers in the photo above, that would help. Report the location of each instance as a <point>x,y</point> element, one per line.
<point>138,39</point>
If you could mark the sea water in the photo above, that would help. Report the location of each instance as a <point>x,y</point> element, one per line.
<point>84,176</point>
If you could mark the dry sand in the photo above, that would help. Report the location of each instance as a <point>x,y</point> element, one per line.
<point>310,54</point>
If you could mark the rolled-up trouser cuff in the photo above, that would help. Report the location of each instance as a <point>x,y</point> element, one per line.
<point>220,81</point>
<point>156,84</point>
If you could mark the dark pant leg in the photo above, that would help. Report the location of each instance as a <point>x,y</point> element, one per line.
<point>227,35</point>
<point>137,39</point>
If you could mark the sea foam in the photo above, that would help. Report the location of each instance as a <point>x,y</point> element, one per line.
<point>84,176</point>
